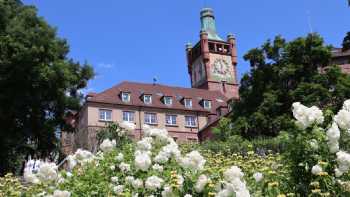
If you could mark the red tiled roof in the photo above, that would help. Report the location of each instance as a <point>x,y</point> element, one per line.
<point>112,96</point>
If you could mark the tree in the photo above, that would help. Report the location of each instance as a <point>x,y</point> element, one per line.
<point>346,42</point>
<point>282,73</point>
<point>38,84</point>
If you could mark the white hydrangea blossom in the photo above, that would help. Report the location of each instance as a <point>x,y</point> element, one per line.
<point>145,144</point>
<point>124,167</point>
<point>343,160</point>
<point>153,183</point>
<point>47,172</point>
<point>157,167</point>
<point>83,156</point>
<point>118,189</point>
<point>137,183</point>
<point>343,119</point>
<point>202,181</point>
<point>59,193</point>
<point>316,169</point>
<point>30,177</point>
<point>333,135</point>
<point>168,192</point>
<point>119,157</point>
<point>306,116</point>
<point>142,161</point>
<point>114,179</point>
<point>193,160</point>
<point>107,145</point>
<point>234,184</point>
<point>187,195</point>
<point>128,126</point>
<point>258,176</point>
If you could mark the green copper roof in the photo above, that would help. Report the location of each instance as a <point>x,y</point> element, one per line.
<point>208,24</point>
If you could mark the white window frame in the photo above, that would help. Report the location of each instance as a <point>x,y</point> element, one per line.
<point>190,123</point>
<point>207,104</point>
<point>128,116</point>
<point>127,99</point>
<point>170,100</point>
<point>150,99</point>
<point>188,102</point>
<point>170,119</point>
<point>148,118</point>
<point>104,116</point>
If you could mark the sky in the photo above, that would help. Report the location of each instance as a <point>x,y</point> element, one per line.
<point>137,40</point>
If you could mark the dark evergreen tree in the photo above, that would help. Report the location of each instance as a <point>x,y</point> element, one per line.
<point>38,84</point>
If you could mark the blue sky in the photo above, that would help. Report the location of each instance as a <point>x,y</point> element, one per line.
<point>136,40</point>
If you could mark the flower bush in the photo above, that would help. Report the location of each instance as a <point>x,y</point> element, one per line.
<point>316,163</point>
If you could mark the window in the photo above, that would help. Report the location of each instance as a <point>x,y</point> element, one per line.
<point>190,121</point>
<point>150,118</point>
<point>125,96</point>
<point>170,119</point>
<point>147,99</point>
<point>168,100</point>
<point>105,115</point>
<point>128,116</point>
<point>188,103</point>
<point>207,104</point>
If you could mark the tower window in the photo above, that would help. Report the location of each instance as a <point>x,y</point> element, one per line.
<point>207,104</point>
<point>126,97</point>
<point>188,103</point>
<point>168,100</point>
<point>211,47</point>
<point>147,99</point>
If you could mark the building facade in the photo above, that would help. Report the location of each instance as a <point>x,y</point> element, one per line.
<point>182,111</point>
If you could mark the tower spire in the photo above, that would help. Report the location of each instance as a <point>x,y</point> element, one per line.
<point>208,24</point>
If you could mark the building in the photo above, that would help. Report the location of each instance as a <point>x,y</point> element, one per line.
<point>182,111</point>
<point>341,58</point>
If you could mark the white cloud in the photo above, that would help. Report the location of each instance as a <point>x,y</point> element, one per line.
<point>105,65</point>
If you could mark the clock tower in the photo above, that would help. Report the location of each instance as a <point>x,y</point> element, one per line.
<point>212,61</point>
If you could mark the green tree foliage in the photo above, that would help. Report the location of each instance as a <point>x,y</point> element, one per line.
<point>346,42</point>
<point>38,84</point>
<point>282,73</point>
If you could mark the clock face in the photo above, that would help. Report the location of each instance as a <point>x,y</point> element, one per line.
<point>220,70</point>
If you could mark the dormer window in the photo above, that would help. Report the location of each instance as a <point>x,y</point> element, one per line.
<point>126,97</point>
<point>147,99</point>
<point>207,104</point>
<point>188,103</point>
<point>168,100</point>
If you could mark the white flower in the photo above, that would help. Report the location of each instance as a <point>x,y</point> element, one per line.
<point>258,176</point>
<point>168,192</point>
<point>346,105</point>
<point>233,172</point>
<point>112,167</point>
<point>137,183</point>
<point>128,126</point>
<point>313,144</point>
<point>129,179</point>
<point>119,157</point>
<point>306,116</point>
<point>145,144</point>
<point>118,189</point>
<point>59,193</point>
<point>193,161</point>
<point>157,167</point>
<point>153,183</point>
<point>124,167</point>
<point>30,177</point>
<point>333,133</point>
<point>187,195</point>
<point>114,179</point>
<point>71,162</point>
<point>343,160</point>
<point>343,119</point>
<point>47,172</point>
<point>338,173</point>
<point>316,169</point>
<point>83,156</point>
<point>142,161</point>
<point>201,183</point>
<point>107,145</point>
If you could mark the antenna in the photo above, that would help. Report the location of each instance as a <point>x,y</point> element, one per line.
<point>309,20</point>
